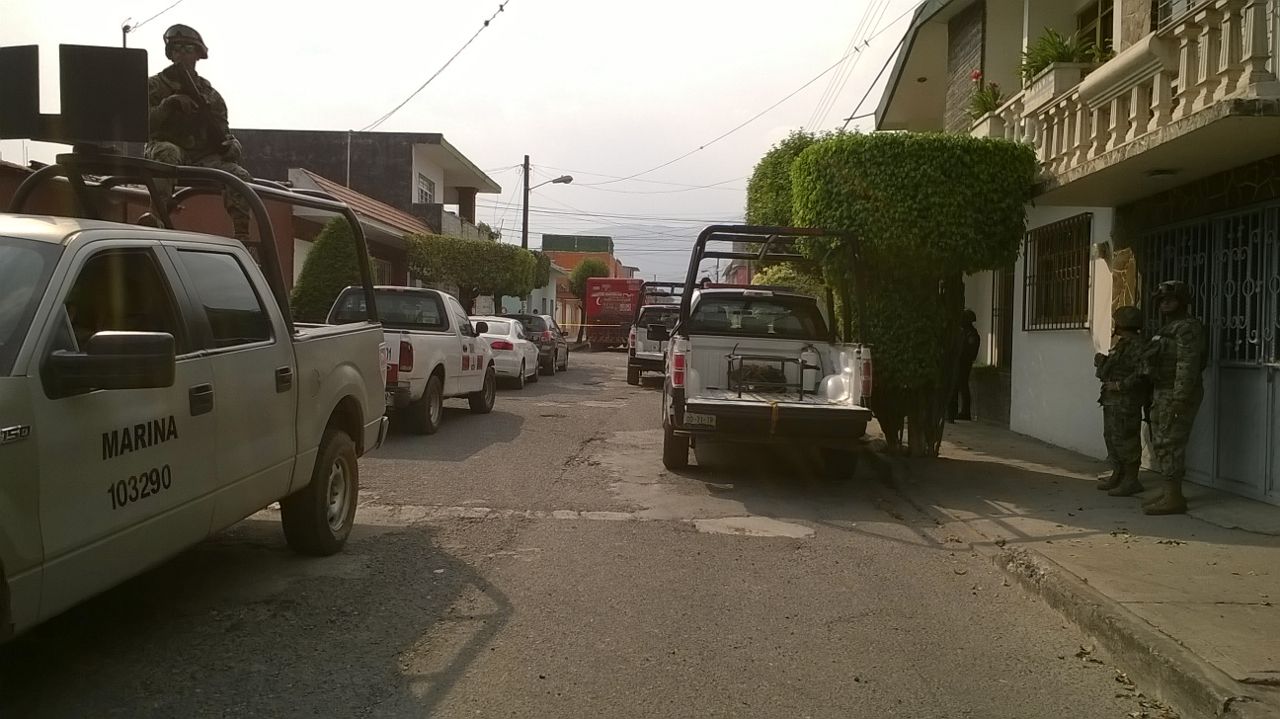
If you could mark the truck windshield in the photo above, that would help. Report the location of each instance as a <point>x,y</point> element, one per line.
<point>666,316</point>
<point>781,317</point>
<point>397,310</point>
<point>25,266</point>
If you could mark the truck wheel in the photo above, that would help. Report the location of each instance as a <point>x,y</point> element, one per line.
<point>317,520</point>
<point>633,375</point>
<point>482,401</point>
<point>839,464</point>
<point>426,414</point>
<point>675,450</point>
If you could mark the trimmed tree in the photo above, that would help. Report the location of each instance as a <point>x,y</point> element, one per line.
<point>475,267</point>
<point>927,209</point>
<point>541,270</point>
<point>330,267</point>
<point>769,189</point>
<point>586,269</point>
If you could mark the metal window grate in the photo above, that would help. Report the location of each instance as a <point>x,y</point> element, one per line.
<point>1002,318</point>
<point>1055,294</point>
<point>1165,12</point>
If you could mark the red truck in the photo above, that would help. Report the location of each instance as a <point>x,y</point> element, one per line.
<point>611,306</point>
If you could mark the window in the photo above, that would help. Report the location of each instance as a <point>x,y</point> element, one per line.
<point>25,267</point>
<point>426,190</point>
<point>460,317</point>
<point>1055,294</point>
<point>1164,12</point>
<point>781,317</point>
<point>666,316</point>
<point>235,313</point>
<point>1096,23</point>
<point>121,290</point>
<point>1002,318</point>
<point>397,310</point>
<point>381,271</point>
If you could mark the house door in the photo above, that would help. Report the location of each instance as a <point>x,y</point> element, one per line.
<point>1232,264</point>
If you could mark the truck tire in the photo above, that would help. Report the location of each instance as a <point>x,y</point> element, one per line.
<point>426,414</point>
<point>633,375</point>
<point>839,464</point>
<point>548,368</point>
<point>317,520</point>
<point>482,402</point>
<point>675,449</point>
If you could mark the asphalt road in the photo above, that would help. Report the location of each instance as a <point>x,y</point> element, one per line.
<point>539,562</point>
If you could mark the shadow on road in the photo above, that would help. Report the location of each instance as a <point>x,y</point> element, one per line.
<point>241,626</point>
<point>462,434</point>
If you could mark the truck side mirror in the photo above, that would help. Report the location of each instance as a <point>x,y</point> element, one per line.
<point>659,333</point>
<point>114,360</point>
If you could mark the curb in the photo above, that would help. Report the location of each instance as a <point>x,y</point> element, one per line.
<point>1177,675</point>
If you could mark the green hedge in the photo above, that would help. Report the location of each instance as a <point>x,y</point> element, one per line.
<point>769,188</point>
<point>330,267</point>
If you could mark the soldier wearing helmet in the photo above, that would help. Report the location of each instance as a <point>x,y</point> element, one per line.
<point>1125,391</point>
<point>189,119</point>
<point>960,406</point>
<point>1177,357</point>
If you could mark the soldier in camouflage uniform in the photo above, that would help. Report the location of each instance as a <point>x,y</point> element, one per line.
<point>1176,357</point>
<point>187,130</point>
<point>1125,390</point>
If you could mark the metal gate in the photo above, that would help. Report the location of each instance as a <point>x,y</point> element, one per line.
<point>1231,263</point>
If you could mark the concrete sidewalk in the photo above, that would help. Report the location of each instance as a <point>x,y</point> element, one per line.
<point>1188,603</point>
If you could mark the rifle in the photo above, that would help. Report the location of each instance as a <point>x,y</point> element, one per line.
<point>213,125</point>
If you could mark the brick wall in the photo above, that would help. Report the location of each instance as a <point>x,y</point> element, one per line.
<point>965,34</point>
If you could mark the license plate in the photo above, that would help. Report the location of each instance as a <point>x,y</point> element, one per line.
<point>693,419</point>
<point>390,401</point>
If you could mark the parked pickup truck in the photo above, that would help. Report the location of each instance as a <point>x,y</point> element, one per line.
<point>645,353</point>
<point>760,365</point>
<point>155,390</point>
<point>435,352</point>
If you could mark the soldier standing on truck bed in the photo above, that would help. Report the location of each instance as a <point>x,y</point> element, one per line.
<point>189,120</point>
<point>1125,391</point>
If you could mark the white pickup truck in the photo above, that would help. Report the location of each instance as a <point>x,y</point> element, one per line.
<point>435,352</point>
<point>154,391</point>
<point>760,366</point>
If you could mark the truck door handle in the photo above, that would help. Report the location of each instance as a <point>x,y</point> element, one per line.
<point>201,399</point>
<point>284,379</point>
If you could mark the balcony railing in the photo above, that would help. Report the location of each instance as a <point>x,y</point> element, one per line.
<point>1213,51</point>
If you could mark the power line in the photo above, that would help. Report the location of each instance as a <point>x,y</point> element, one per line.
<point>888,61</point>
<point>768,109</point>
<point>651,182</point>
<point>855,41</point>
<point>584,213</point>
<point>130,28</point>
<point>373,125</point>
<point>848,72</point>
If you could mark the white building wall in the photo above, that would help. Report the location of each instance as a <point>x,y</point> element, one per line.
<point>301,248</point>
<point>422,165</point>
<point>1054,390</point>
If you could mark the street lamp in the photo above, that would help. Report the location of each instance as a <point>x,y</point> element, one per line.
<point>524,224</point>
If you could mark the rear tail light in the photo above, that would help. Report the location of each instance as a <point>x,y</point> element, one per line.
<point>501,345</point>
<point>679,361</point>
<point>406,356</point>
<point>631,338</point>
<point>546,336</point>
<point>867,375</point>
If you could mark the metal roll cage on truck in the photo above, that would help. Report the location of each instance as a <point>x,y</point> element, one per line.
<point>154,387</point>
<point>760,364</point>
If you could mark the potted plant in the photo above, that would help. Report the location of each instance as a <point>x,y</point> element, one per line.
<point>986,99</point>
<point>1056,62</point>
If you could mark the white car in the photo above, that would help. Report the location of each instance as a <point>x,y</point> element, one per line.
<point>514,356</point>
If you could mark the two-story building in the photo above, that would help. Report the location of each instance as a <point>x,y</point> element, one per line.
<point>1161,160</point>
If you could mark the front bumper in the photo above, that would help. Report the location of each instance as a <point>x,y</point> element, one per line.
<point>820,426</point>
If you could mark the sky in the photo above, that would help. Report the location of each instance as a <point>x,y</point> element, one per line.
<point>597,89</point>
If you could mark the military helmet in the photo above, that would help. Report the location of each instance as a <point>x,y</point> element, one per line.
<point>1127,318</point>
<point>184,33</point>
<point>970,316</point>
<point>1177,289</point>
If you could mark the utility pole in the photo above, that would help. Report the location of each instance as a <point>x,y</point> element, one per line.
<point>524,225</point>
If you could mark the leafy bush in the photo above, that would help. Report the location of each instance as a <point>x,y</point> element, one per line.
<point>476,267</point>
<point>541,270</point>
<point>330,267</point>
<point>987,98</point>
<point>586,269</point>
<point>926,209</point>
<point>769,189</point>
<point>1053,46</point>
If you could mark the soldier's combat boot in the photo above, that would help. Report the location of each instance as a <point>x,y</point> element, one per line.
<point>1110,483</point>
<point>1129,484</point>
<point>1171,502</point>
